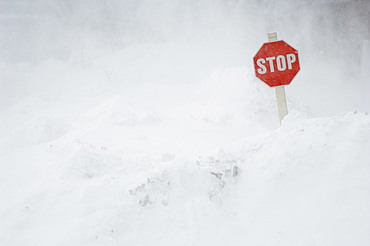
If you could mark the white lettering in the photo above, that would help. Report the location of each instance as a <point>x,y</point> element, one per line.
<point>291,58</point>
<point>271,61</point>
<point>280,63</point>
<point>262,69</point>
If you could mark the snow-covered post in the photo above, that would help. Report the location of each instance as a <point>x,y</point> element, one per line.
<point>279,90</point>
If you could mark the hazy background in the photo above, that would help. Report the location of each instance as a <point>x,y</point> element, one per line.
<point>329,34</point>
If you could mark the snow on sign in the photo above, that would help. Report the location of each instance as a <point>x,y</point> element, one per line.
<point>276,63</point>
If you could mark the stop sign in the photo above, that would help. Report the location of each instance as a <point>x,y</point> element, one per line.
<point>276,63</point>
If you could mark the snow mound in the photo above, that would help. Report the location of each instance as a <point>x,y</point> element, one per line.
<point>233,97</point>
<point>305,183</point>
<point>117,111</point>
<point>40,129</point>
<point>90,162</point>
<point>342,140</point>
<point>32,106</point>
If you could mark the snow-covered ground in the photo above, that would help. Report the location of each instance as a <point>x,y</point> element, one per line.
<point>164,145</point>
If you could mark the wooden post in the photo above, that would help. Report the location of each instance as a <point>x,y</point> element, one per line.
<point>281,102</point>
<point>272,36</point>
<point>280,90</point>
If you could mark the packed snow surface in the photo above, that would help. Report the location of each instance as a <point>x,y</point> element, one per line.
<point>119,151</point>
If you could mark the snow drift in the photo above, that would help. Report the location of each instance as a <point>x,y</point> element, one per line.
<point>98,163</point>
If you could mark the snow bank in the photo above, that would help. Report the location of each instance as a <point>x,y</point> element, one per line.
<point>231,96</point>
<point>305,183</point>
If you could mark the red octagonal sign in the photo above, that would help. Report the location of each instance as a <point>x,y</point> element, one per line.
<point>276,63</point>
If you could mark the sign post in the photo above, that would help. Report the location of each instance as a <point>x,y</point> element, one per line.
<point>276,64</point>
<point>281,102</point>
